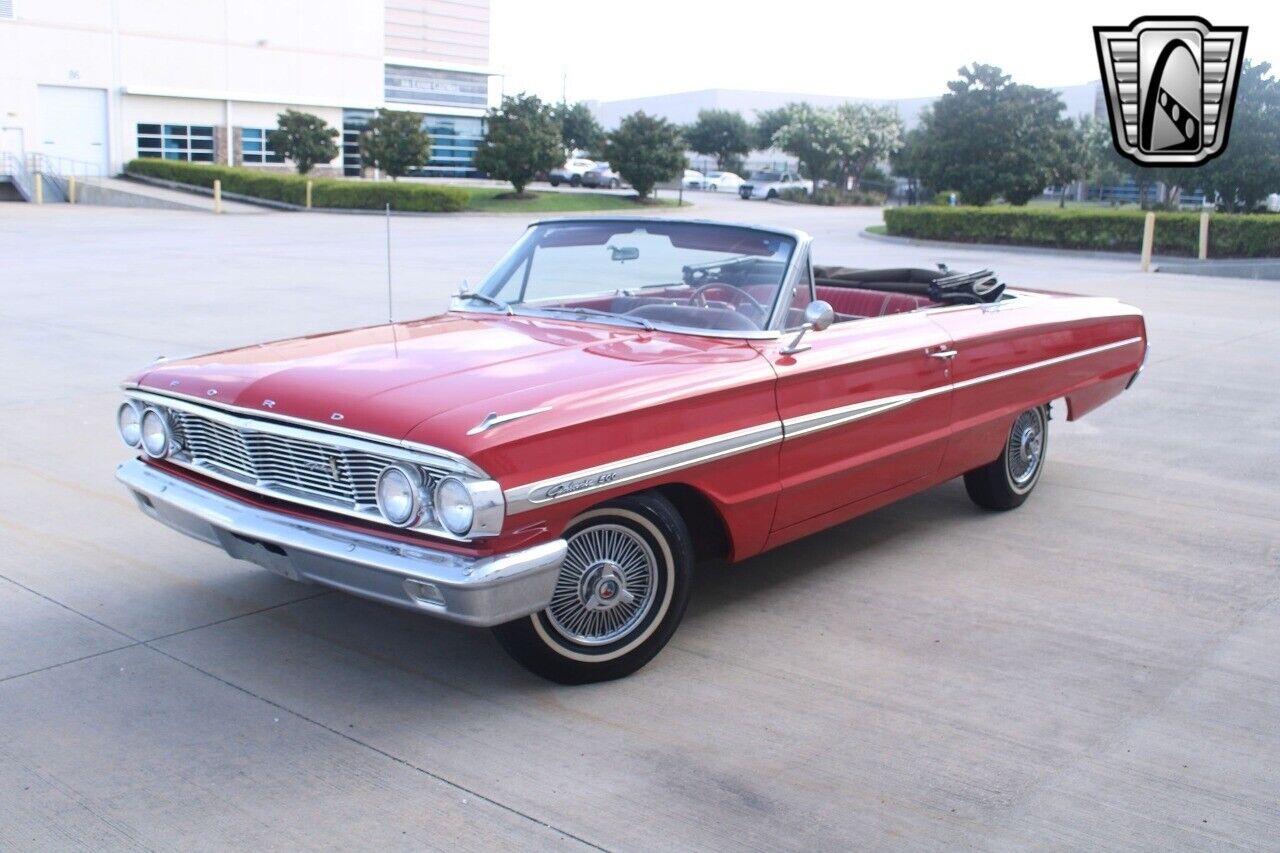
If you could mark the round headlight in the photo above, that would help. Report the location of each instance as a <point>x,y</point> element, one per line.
<point>129,422</point>
<point>399,489</point>
<point>155,433</point>
<point>454,507</point>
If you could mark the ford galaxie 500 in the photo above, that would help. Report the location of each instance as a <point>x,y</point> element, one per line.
<point>618,400</point>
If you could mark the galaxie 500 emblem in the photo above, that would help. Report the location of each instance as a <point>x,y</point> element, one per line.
<point>568,487</point>
<point>1170,85</point>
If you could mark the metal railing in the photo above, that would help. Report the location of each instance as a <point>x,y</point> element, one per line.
<point>14,168</point>
<point>40,177</point>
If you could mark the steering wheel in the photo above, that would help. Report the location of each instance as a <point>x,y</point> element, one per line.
<point>697,298</point>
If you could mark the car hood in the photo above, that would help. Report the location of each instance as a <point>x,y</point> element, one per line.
<point>450,370</point>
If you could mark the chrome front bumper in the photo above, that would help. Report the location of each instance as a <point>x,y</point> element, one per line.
<point>475,591</point>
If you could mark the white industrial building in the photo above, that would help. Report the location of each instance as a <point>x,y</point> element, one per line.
<point>91,84</point>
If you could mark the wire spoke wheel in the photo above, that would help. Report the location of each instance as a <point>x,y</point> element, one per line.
<point>1025,447</point>
<point>606,585</point>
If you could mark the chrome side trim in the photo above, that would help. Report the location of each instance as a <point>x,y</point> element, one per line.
<point>246,418</point>
<point>1013,371</point>
<point>828,418</point>
<point>531,495</point>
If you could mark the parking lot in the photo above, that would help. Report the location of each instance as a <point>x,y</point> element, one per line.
<point>1098,669</point>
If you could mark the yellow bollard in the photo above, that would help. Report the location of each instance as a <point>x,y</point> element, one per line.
<point>217,195</point>
<point>71,190</point>
<point>1204,234</point>
<point>309,194</point>
<point>1148,238</point>
<point>39,189</point>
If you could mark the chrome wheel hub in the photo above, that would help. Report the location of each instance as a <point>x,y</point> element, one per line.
<point>606,585</point>
<point>1026,447</point>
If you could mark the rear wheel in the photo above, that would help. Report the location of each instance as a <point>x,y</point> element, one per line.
<point>555,182</point>
<point>575,181</point>
<point>621,593</point>
<point>1007,482</point>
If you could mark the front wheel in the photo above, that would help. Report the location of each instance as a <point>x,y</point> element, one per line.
<point>1007,482</point>
<point>575,181</point>
<point>621,593</point>
<point>614,183</point>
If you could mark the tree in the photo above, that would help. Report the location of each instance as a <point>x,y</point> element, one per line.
<point>579,130</point>
<point>769,121</point>
<point>395,142</point>
<point>1067,158</point>
<point>1249,169</point>
<point>523,139</point>
<point>812,136</point>
<point>866,135</point>
<point>723,134</point>
<point>989,137</point>
<point>645,150</point>
<point>303,138</point>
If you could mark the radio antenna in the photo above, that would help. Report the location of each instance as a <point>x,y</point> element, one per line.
<point>391,317</point>
<point>390,303</point>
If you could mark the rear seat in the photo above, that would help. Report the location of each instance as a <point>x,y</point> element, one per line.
<point>869,303</point>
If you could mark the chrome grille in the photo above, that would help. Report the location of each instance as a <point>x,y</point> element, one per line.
<point>276,463</point>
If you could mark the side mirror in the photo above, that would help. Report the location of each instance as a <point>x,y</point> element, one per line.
<point>818,315</point>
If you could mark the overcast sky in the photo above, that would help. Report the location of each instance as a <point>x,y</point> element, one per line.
<point>611,49</point>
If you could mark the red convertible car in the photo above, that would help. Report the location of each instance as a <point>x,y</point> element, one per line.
<point>618,401</point>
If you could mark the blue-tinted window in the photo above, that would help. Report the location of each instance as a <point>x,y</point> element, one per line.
<point>176,142</point>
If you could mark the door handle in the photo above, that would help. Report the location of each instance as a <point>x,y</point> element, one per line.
<point>943,353</point>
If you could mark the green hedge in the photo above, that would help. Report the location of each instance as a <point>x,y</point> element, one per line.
<point>325,192</point>
<point>1230,235</point>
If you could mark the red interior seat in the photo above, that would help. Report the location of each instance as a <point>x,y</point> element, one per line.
<point>869,303</point>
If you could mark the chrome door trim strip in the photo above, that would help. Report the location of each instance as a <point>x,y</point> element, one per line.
<point>577,483</point>
<point>1013,371</point>
<point>244,418</point>
<point>828,418</point>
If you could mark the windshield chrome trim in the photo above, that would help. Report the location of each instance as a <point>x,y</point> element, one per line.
<point>408,451</point>
<point>770,331</point>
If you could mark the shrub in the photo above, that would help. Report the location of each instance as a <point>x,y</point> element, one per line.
<point>1230,236</point>
<point>292,189</point>
<point>833,196</point>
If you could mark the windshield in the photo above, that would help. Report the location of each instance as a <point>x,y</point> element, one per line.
<point>684,275</point>
<point>766,177</point>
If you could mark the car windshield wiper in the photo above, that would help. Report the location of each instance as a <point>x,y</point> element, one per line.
<point>645,324</point>
<point>496,303</point>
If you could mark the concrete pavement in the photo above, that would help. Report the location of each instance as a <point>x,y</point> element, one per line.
<point>1095,670</point>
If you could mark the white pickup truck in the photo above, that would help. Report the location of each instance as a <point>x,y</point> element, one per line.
<point>770,184</point>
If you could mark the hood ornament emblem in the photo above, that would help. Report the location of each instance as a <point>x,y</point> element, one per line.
<point>492,419</point>
<point>268,404</point>
<point>336,416</point>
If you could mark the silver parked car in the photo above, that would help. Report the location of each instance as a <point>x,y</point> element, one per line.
<point>602,177</point>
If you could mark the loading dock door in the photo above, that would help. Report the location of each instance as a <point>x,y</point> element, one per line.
<point>73,125</point>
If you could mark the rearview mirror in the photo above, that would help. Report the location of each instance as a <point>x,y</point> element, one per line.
<point>623,253</point>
